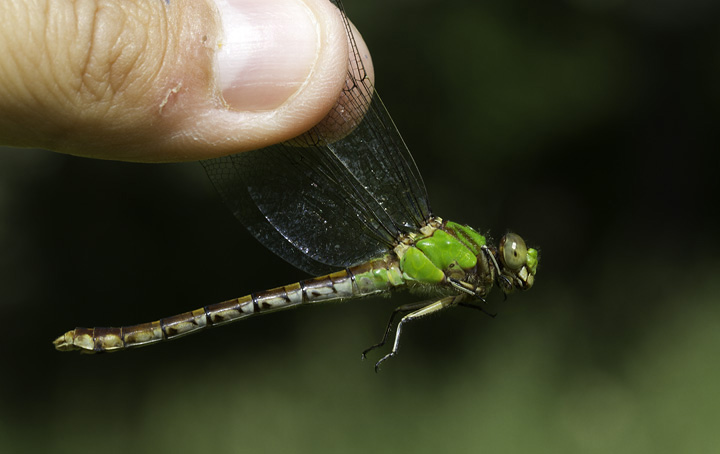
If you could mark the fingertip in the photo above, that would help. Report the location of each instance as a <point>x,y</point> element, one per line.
<point>270,106</point>
<point>175,101</point>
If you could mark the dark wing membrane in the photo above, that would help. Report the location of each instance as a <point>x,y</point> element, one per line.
<point>324,205</point>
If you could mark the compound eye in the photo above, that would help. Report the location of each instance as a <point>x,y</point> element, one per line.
<point>513,251</point>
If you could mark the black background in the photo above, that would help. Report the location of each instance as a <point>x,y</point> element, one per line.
<point>587,126</point>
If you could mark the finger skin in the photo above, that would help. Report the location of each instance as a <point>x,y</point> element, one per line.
<point>135,81</point>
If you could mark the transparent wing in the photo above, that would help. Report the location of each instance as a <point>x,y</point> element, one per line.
<point>323,204</point>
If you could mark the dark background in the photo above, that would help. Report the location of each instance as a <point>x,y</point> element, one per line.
<point>587,126</point>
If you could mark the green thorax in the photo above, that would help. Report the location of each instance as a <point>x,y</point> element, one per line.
<point>444,250</point>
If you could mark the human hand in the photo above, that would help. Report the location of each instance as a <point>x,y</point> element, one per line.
<point>177,80</point>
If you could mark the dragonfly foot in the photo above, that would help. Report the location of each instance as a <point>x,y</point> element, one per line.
<point>377,364</point>
<point>369,349</point>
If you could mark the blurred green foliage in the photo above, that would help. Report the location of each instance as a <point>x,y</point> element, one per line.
<point>587,126</point>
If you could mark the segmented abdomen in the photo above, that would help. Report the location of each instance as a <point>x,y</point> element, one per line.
<point>366,279</point>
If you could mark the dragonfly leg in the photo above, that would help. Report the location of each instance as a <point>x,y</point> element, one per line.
<point>478,308</point>
<point>463,287</point>
<point>404,308</point>
<point>428,309</point>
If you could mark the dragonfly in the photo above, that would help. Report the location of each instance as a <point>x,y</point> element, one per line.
<point>353,211</point>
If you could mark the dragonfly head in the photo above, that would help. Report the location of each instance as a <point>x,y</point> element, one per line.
<point>516,264</point>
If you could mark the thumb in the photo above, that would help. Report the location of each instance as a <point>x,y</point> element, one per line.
<point>166,81</point>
